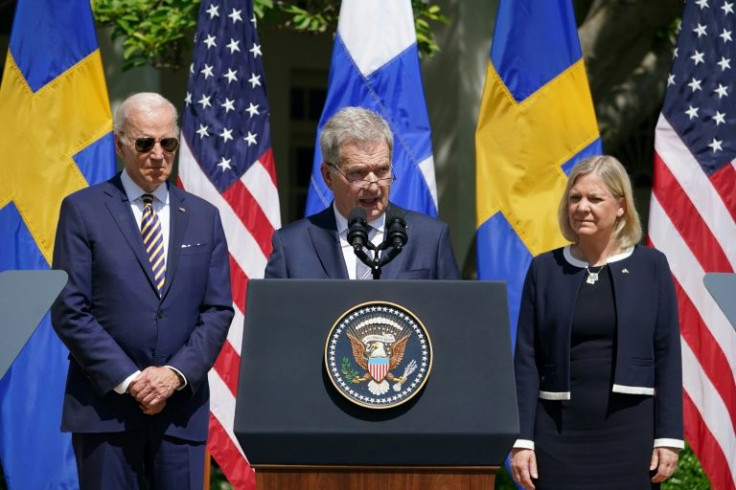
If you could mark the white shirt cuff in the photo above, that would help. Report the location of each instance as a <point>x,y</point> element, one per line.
<point>524,444</point>
<point>122,388</point>
<point>184,378</point>
<point>673,443</point>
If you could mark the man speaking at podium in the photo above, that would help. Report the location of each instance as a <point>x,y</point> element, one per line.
<point>357,145</point>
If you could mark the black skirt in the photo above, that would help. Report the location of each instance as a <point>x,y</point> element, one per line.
<point>597,439</point>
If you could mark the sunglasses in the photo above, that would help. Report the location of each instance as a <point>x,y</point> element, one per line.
<point>144,145</point>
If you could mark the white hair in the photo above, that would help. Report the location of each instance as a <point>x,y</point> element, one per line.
<point>142,102</point>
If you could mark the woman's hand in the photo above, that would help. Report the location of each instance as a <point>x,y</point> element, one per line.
<point>524,467</point>
<point>664,460</point>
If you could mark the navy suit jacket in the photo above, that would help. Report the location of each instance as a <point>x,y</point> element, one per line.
<point>647,335</point>
<point>310,249</point>
<point>113,321</point>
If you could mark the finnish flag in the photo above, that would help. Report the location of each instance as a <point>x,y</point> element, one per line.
<point>375,64</point>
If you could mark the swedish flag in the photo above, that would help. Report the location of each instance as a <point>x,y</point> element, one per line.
<point>55,138</point>
<point>536,121</point>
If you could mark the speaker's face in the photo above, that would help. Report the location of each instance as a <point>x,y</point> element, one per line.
<point>362,179</point>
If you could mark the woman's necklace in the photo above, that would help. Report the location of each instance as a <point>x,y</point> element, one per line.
<point>593,274</point>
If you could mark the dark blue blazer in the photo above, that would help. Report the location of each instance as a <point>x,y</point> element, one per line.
<point>112,320</point>
<point>647,335</point>
<point>310,249</point>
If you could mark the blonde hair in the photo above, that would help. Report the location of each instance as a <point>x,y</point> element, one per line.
<point>627,231</point>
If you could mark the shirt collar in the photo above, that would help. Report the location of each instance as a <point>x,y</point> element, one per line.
<point>133,191</point>
<point>342,222</point>
<point>582,264</point>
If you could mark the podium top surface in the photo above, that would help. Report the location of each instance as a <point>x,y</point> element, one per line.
<point>25,297</point>
<point>722,286</point>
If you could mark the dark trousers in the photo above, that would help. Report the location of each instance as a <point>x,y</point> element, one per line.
<point>138,460</point>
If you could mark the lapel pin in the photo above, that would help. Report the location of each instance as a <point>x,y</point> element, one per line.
<point>181,209</point>
<point>625,271</point>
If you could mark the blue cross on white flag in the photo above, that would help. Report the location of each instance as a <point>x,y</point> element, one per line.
<point>375,64</point>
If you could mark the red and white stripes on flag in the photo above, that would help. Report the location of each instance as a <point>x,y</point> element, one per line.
<point>249,251</point>
<point>226,158</point>
<point>693,221</point>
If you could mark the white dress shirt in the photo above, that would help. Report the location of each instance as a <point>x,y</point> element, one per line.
<point>162,209</point>
<point>160,205</point>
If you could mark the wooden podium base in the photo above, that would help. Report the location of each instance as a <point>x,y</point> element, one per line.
<point>272,477</point>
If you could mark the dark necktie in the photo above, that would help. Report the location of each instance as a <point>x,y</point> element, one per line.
<point>153,241</point>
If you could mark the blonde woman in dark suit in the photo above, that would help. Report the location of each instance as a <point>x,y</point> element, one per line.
<point>598,368</point>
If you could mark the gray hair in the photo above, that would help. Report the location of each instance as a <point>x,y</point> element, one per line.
<point>353,125</point>
<point>143,102</point>
<point>628,227</point>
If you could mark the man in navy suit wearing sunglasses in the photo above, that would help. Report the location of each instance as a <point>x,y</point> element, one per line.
<point>144,314</point>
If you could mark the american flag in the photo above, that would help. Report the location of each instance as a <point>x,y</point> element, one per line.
<point>693,220</point>
<point>226,158</point>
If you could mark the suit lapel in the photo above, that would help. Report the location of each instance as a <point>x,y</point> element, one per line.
<point>326,243</point>
<point>119,207</point>
<point>178,219</point>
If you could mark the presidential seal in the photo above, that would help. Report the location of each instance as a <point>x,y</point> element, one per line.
<point>378,355</point>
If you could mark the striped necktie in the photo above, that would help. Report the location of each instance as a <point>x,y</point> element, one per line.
<point>153,241</point>
<point>362,271</point>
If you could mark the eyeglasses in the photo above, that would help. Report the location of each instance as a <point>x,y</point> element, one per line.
<point>144,145</point>
<point>385,178</point>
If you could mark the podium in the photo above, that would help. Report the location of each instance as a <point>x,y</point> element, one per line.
<point>721,286</point>
<point>25,297</point>
<point>298,431</point>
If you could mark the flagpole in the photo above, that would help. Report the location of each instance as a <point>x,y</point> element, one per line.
<point>207,470</point>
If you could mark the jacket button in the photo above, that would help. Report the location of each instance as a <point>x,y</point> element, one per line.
<point>160,314</point>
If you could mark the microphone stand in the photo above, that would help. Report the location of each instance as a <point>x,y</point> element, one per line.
<point>390,244</point>
<point>362,252</point>
<point>394,240</point>
<point>369,255</point>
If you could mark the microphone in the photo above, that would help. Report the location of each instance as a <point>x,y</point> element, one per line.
<point>358,236</point>
<point>396,235</point>
<point>357,228</point>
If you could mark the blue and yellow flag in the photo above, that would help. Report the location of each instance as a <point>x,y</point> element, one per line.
<point>536,121</point>
<point>55,138</point>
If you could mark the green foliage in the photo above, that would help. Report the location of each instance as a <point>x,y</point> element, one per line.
<point>260,7</point>
<point>347,369</point>
<point>504,480</point>
<point>157,32</point>
<point>424,14</point>
<point>217,478</point>
<point>153,31</point>
<point>310,15</point>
